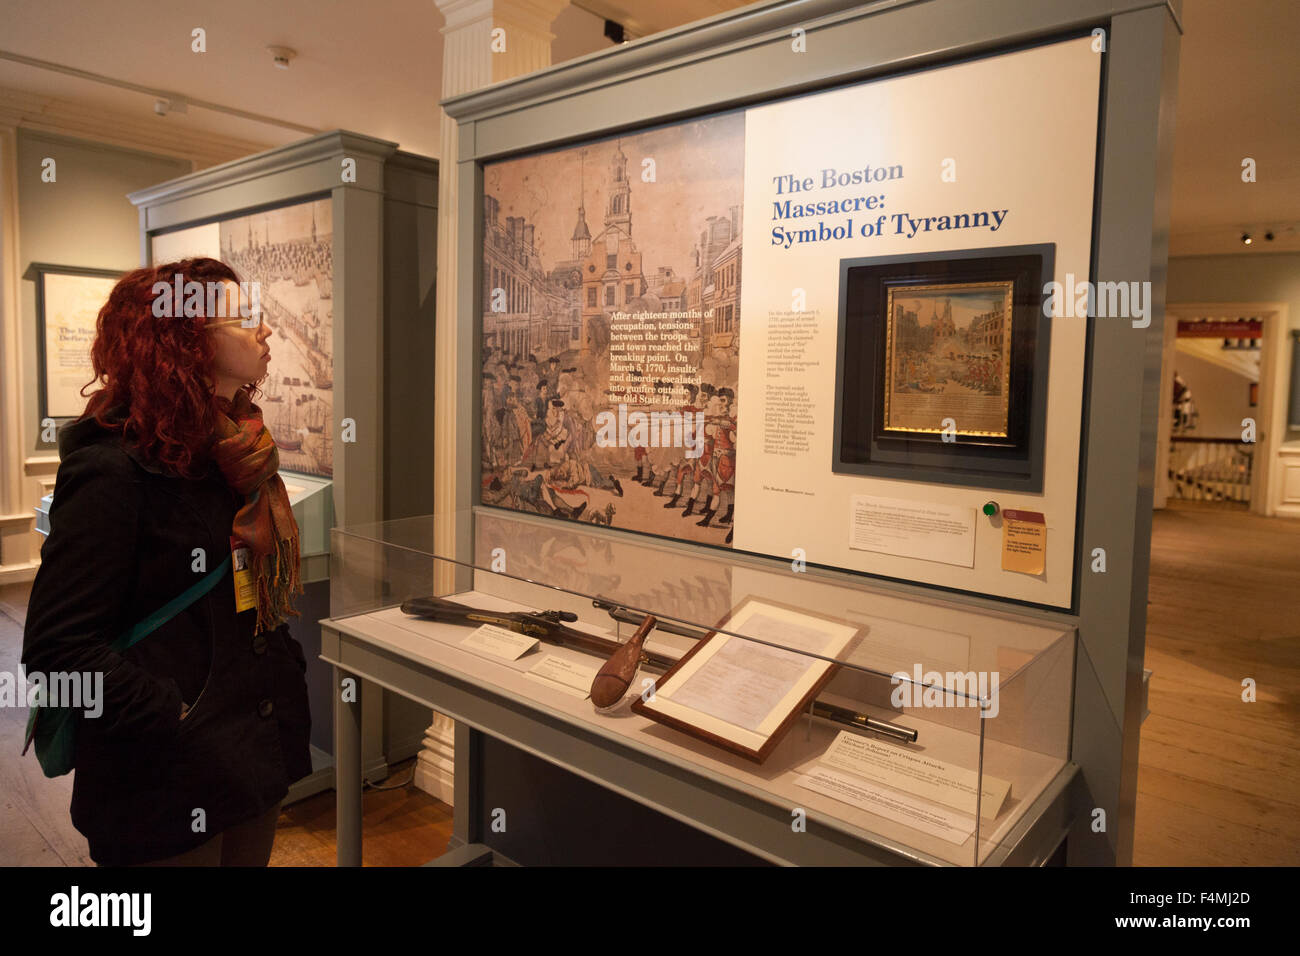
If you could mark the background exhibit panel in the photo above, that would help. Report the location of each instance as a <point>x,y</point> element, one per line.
<point>289,252</point>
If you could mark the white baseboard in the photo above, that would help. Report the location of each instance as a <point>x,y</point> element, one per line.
<point>18,573</point>
<point>435,780</point>
<point>435,768</point>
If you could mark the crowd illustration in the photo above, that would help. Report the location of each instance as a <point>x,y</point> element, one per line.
<point>540,451</point>
<point>925,372</point>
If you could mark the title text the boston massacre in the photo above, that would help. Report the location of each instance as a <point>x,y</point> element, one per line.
<point>791,189</point>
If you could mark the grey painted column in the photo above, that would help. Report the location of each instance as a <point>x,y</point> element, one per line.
<point>1120,430</point>
<point>359,352</point>
<point>347,769</point>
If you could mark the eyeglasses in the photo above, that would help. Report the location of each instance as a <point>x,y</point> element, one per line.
<point>253,321</point>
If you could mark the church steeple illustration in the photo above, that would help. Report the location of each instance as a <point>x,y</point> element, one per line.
<point>581,234</point>
<point>618,210</point>
<point>944,327</point>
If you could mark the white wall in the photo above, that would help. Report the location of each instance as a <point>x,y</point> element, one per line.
<point>1221,395</point>
<point>577,33</point>
<point>82,218</point>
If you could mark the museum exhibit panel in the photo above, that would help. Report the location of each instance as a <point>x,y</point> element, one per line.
<point>779,259</point>
<point>780,479</point>
<point>336,233</point>
<point>68,299</point>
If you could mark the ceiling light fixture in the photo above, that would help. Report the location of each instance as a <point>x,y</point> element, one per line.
<point>1245,238</point>
<point>164,105</point>
<point>281,55</point>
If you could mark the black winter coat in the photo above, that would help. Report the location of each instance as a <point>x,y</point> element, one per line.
<point>121,545</point>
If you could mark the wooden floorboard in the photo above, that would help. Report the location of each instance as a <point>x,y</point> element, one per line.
<point>48,837</point>
<point>1219,777</point>
<point>401,827</point>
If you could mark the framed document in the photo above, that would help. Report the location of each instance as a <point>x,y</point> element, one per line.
<point>743,695</point>
<point>948,357</point>
<point>68,300</point>
<point>942,371</point>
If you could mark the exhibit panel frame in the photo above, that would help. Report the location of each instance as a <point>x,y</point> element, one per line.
<point>747,58</point>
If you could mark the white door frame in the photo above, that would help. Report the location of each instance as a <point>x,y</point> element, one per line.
<point>1265,481</point>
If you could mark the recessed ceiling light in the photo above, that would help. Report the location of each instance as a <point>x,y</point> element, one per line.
<point>1245,238</point>
<point>281,55</point>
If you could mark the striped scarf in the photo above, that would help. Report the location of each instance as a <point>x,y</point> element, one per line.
<point>247,456</point>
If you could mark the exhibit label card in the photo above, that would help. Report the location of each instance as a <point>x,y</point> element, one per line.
<point>1024,541</point>
<point>928,530</point>
<point>570,675</point>
<point>935,820</point>
<point>498,642</point>
<point>927,777</point>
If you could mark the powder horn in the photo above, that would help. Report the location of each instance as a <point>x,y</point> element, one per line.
<point>611,684</point>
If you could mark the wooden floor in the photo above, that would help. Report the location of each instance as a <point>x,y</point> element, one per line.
<point>1218,781</point>
<point>1219,778</point>
<point>403,826</point>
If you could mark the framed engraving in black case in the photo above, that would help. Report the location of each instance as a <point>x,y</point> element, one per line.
<point>942,372</point>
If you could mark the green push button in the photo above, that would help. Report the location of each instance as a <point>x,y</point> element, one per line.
<point>990,508</point>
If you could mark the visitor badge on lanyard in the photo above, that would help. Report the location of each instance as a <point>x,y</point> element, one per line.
<point>241,559</point>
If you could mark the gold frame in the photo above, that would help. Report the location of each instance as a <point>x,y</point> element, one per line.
<point>1008,288</point>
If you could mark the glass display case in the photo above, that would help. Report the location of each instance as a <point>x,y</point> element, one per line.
<point>921,725</point>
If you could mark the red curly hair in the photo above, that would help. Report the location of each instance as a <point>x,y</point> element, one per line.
<point>157,370</point>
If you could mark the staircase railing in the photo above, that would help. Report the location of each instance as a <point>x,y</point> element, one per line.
<point>1210,469</point>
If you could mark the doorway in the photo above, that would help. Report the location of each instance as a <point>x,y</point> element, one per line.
<point>1222,408</point>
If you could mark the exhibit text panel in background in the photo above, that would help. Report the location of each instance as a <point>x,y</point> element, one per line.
<point>660,311</point>
<point>289,252</point>
<point>67,313</point>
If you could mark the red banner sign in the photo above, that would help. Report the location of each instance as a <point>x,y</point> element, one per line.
<point>1244,329</point>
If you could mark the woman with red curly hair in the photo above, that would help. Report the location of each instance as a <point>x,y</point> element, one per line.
<point>168,505</point>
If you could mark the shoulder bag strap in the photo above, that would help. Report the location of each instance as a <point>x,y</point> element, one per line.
<point>173,607</point>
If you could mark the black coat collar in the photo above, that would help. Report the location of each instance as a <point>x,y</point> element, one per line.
<point>88,431</point>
